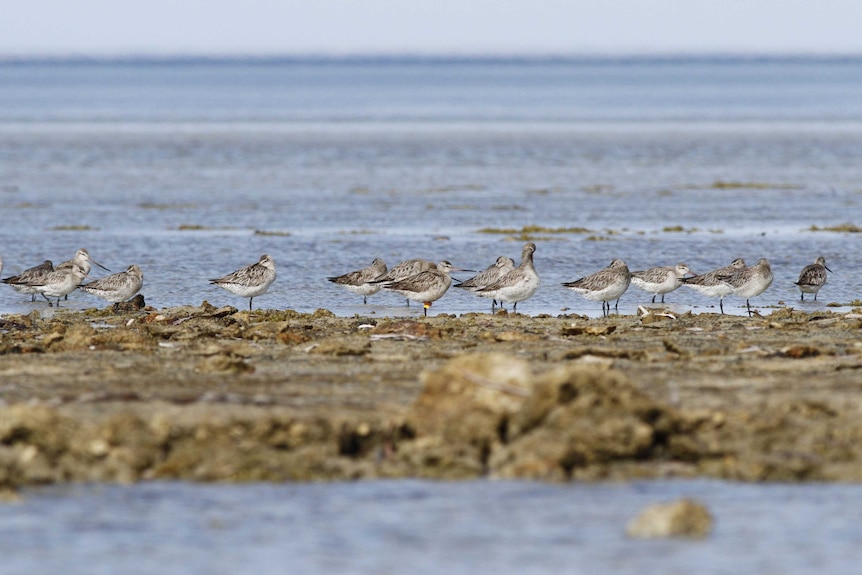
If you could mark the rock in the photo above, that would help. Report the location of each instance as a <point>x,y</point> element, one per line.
<point>352,345</point>
<point>77,336</point>
<point>9,495</point>
<point>408,327</point>
<point>291,337</point>
<point>800,351</point>
<point>137,303</point>
<point>469,399</point>
<point>224,363</point>
<point>516,336</point>
<point>683,518</point>
<point>589,329</point>
<point>578,421</point>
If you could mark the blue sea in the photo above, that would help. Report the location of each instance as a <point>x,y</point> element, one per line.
<point>194,167</point>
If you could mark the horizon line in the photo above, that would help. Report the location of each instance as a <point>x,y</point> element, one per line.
<point>407,56</point>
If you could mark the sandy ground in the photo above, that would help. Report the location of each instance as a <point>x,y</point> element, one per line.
<point>212,394</point>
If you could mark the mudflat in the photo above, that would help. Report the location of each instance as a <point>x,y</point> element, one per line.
<point>218,394</point>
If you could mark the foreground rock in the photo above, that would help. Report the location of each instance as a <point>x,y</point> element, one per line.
<point>217,394</point>
<point>683,518</point>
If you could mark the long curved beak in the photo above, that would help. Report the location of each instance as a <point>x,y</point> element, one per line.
<point>828,270</point>
<point>98,264</point>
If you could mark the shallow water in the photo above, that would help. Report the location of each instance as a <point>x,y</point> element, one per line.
<point>425,527</point>
<point>174,165</point>
<point>185,206</point>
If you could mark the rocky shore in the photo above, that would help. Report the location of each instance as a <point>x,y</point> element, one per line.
<point>207,394</point>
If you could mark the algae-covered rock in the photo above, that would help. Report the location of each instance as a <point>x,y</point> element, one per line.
<point>581,418</point>
<point>407,327</point>
<point>224,363</point>
<point>352,345</point>
<point>683,518</point>
<point>470,398</point>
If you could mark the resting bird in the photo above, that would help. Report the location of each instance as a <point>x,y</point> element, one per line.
<point>427,286</point>
<point>359,282</point>
<point>605,285</point>
<point>118,287</point>
<point>717,282</point>
<point>517,284</point>
<point>250,281</point>
<point>21,282</point>
<point>488,276</point>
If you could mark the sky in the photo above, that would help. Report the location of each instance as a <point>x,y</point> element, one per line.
<point>447,27</point>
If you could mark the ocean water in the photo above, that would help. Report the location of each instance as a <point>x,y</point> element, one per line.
<point>193,168</point>
<point>424,527</point>
<point>177,165</point>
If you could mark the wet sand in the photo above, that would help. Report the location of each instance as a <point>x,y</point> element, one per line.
<point>207,394</point>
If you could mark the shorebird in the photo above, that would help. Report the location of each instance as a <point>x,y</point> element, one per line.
<point>487,277</point>
<point>517,284</point>
<point>751,281</point>
<point>812,278</point>
<point>404,270</point>
<point>660,280</point>
<point>427,286</point>
<point>21,282</point>
<point>83,260</point>
<point>716,283</point>
<point>58,283</point>
<point>250,281</point>
<point>359,282</point>
<point>118,287</point>
<point>604,285</point>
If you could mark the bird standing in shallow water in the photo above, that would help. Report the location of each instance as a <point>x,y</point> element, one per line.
<point>518,284</point>
<point>717,282</point>
<point>83,260</point>
<point>58,283</point>
<point>404,270</point>
<point>427,286</point>
<point>118,287</point>
<point>250,281</point>
<point>751,281</point>
<point>487,277</point>
<point>812,278</point>
<point>604,285</point>
<point>21,282</point>
<point>661,280</point>
<point>359,282</point>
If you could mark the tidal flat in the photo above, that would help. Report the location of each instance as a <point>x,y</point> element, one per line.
<point>218,394</point>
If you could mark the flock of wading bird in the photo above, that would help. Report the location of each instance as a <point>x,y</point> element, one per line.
<point>503,282</point>
<point>426,282</point>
